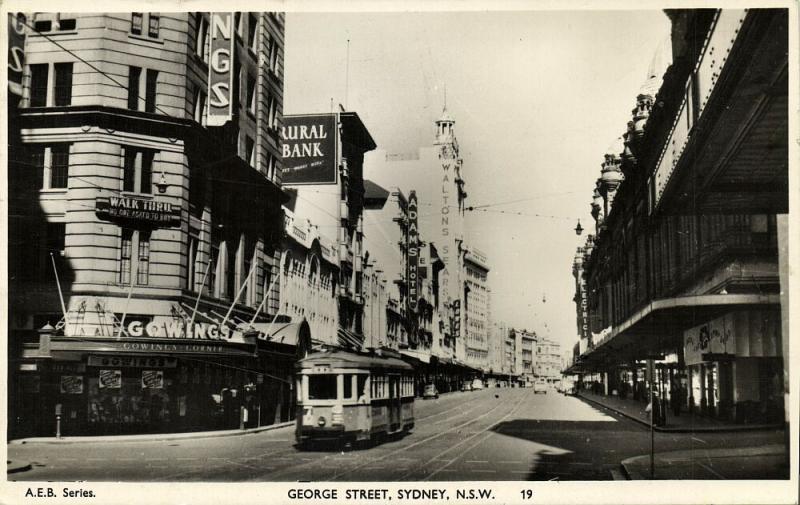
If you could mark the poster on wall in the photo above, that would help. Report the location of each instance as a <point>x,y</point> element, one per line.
<point>110,379</point>
<point>72,384</point>
<point>308,149</point>
<point>152,379</point>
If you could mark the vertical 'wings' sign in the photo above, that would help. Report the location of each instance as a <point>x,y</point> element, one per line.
<point>16,51</point>
<point>412,274</point>
<point>220,72</point>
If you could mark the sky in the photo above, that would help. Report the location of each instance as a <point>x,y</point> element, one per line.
<point>538,97</point>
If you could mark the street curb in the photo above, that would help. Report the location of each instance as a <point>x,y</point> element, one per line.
<point>149,438</point>
<point>689,429</point>
<point>15,467</point>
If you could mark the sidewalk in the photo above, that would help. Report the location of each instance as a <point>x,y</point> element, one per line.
<point>149,437</point>
<point>685,423</point>
<point>763,462</point>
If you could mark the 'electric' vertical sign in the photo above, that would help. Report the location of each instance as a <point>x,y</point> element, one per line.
<point>220,72</point>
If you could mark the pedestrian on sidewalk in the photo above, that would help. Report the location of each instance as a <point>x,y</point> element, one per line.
<point>675,399</point>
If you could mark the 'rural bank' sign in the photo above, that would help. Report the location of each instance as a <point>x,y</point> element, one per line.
<point>220,69</point>
<point>150,212</point>
<point>308,149</point>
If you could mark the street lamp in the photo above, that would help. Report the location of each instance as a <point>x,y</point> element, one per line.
<point>579,228</point>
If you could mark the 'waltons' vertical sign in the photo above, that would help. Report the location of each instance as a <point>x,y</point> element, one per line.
<point>308,149</point>
<point>220,71</point>
<point>413,255</point>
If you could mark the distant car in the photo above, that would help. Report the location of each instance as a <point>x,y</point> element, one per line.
<point>430,392</point>
<point>569,389</point>
<point>466,386</point>
<point>540,387</point>
<point>477,384</point>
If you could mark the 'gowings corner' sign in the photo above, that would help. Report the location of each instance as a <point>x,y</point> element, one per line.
<point>151,212</point>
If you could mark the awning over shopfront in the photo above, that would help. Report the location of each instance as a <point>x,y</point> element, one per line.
<point>294,334</point>
<point>659,326</point>
<point>419,356</point>
<point>348,338</point>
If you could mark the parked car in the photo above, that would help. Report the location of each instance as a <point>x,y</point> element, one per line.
<point>540,387</point>
<point>477,384</point>
<point>430,392</point>
<point>466,386</point>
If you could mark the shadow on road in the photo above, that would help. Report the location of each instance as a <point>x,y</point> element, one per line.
<point>575,450</point>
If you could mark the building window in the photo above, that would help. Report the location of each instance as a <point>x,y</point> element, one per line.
<point>59,166</point>
<point>126,249</point>
<point>134,75</point>
<point>143,272</point>
<point>52,163</point>
<point>250,150</point>
<point>150,91</point>
<point>154,23</point>
<point>252,27</point>
<point>46,22</point>
<point>251,94</point>
<point>191,259</point>
<point>200,106</point>
<point>63,84</point>
<point>136,23</point>
<point>201,36</point>
<point>273,56</point>
<point>237,23</point>
<point>137,170</point>
<point>272,117</point>
<point>39,78</point>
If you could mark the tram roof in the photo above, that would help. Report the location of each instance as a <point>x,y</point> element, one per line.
<point>344,359</point>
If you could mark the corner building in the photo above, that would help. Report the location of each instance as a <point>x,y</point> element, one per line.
<point>143,240</point>
<point>686,266</point>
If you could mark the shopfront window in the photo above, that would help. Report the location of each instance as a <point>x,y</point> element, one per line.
<point>322,387</point>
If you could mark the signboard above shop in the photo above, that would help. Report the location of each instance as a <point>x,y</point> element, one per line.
<point>308,149</point>
<point>157,213</point>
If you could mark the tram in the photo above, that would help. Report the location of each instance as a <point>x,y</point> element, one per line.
<point>353,397</point>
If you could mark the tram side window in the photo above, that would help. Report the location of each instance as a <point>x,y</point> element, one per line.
<point>322,387</point>
<point>361,387</point>
<point>348,386</point>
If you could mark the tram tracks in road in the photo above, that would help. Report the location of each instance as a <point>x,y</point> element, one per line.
<point>475,435</point>
<point>371,461</point>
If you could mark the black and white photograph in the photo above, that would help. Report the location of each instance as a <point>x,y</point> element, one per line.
<point>410,252</point>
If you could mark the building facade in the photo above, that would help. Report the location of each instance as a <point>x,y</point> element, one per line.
<point>688,273</point>
<point>131,250</point>
<point>477,315</point>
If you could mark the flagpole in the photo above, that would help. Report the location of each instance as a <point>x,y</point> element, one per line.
<point>238,294</point>
<point>200,293</point>
<point>58,284</point>
<point>264,300</point>
<point>125,312</point>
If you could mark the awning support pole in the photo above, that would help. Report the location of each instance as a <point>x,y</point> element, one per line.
<point>239,293</point>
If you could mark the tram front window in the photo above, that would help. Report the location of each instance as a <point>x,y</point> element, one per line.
<point>322,387</point>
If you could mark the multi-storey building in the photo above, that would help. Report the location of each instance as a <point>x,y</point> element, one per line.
<point>685,266</point>
<point>548,364</point>
<point>323,156</point>
<point>477,296</point>
<point>525,355</point>
<point>141,237</point>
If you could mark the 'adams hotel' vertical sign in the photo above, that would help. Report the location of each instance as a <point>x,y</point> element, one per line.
<point>220,72</point>
<point>412,273</point>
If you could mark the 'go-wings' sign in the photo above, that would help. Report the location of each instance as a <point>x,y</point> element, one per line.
<point>220,71</point>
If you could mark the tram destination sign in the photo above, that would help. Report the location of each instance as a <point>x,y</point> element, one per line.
<point>140,210</point>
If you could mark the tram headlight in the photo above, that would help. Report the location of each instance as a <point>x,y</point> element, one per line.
<point>321,421</point>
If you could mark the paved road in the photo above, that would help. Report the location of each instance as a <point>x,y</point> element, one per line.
<point>494,434</point>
